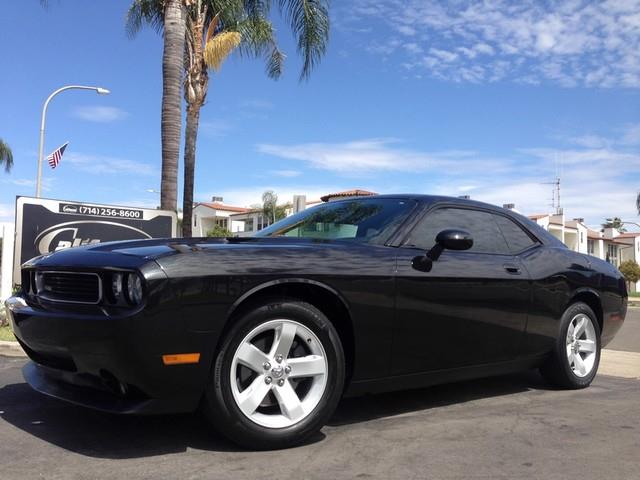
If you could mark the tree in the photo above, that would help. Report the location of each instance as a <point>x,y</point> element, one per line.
<point>630,270</point>
<point>169,17</point>
<point>638,203</point>
<point>206,37</point>
<point>269,204</point>
<point>218,232</point>
<point>616,223</point>
<point>215,29</point>
<point>6,156</point>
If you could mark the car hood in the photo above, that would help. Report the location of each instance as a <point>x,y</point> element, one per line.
<point>134,253</point>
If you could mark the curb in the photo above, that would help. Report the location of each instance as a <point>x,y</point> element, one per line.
<point>11,349</point>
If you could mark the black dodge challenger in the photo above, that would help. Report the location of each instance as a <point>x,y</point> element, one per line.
<point>266,334</point>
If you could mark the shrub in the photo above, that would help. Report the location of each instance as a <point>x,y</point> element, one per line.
<point>631,271</point>
<point>4,321</point>
<point>219,232</point>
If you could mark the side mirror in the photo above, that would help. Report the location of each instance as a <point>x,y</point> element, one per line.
<point>454,240</point>
<point>449,239</point>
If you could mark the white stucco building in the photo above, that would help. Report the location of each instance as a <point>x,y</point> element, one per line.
<point>208,214</point>
<point>607,244</point>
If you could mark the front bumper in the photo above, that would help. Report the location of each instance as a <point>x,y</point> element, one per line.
<point>113,362</point>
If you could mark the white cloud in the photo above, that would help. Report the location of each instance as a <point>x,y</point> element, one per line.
<point>631,135</point>
<point>7,212</point>
<point>286,173</point>
<point>590,141</point>
<point>370,156</point>
<point>571,43</point>
<point>104,165</point>
<point>257,104</point>
<point>215,128</point>
<point>46,183</point>
<point>246,197</point>
<point>599,179</point>
<point>99,114</point>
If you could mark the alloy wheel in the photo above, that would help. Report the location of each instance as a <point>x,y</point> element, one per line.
<point>279,373</point>
<point>581,345</point>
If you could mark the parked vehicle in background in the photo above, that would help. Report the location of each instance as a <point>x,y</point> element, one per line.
<point>266,334</point>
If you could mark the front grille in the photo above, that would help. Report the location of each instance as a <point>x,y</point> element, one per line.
<point>68,287</point>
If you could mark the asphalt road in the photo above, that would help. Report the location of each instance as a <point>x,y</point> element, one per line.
<point>501,428</point>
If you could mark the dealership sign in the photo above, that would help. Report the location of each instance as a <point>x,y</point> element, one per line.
<point>45,226</point>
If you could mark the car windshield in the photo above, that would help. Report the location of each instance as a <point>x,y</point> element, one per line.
<point>365,220</point>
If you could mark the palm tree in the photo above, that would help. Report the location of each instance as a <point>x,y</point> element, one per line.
<point>169,17</point>
<point>215,44</point>
<point>6,156</point>
<point>638,203</point>
<point>214,30</point>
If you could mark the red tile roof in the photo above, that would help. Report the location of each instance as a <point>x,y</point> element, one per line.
<point>348,193</point>
<point>593,234</point>
<point>629,235</point>
<point>222,206</point>
<point>538,216</point>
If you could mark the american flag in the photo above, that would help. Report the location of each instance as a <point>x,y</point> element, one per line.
<point>54,158</point>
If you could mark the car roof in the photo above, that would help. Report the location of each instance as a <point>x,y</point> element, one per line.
<point>424,198</point>
<point>427,200</point>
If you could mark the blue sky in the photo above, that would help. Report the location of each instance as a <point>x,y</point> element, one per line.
<point>484,99</point>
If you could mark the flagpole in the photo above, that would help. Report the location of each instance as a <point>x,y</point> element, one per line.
<point>98,90</point>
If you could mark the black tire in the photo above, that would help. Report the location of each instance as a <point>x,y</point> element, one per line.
<point>557,369</point>
<point>219,404</point>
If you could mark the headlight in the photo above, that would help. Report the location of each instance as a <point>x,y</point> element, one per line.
<point>116,285</point>
<point>134,288</point>
<point>39,281</point>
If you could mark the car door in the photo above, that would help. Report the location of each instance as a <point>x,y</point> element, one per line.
<point>471,308</point>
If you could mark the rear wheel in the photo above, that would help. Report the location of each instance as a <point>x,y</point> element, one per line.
<point>277,377</point>
<point>576,356</point>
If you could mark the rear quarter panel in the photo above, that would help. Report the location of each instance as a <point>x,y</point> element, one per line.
<point>558,276</point>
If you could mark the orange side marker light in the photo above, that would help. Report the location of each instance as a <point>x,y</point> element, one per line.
<point>180,358</point>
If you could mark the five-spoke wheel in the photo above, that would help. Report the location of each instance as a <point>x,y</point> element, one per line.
<point>573,363</point>
<point>581,345</point>
<point>278,375</point>
<point>278,385</point>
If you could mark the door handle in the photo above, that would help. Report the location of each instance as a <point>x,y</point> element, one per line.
<point>512,269</point>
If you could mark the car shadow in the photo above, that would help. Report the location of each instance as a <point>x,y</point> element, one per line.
<point>371,407</point>
<point>102,435</point>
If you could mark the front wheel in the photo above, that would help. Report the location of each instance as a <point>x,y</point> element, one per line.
<point>277,377</point>
<point>574,361</point>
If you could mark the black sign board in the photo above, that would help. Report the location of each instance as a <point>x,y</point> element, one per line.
<point>45,225</point>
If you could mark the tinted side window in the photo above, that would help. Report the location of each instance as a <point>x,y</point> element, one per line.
<point>516,238</point>
<point>487,238</point>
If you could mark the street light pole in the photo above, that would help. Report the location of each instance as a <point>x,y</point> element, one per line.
<point>630,223</point>
<point>98,90</point>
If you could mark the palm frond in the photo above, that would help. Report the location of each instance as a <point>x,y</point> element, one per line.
<point>6,156</point>
<point>219,48</point>
<point>258,37</point>
<point>257,8</point>
<point>211,29</point>
<point>275,63</point>
<point>309,20</point>
<point>144,12</point>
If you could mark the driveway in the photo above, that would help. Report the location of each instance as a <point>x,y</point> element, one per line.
<point>500,428</point>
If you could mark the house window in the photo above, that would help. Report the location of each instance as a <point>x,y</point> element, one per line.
<point>581,237</point>
<point>248,225</point>
<point>262,222</point>
<point>195,220</point>
<point>222,222</point>
<point>612,254</point>
<point>591,247</point>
